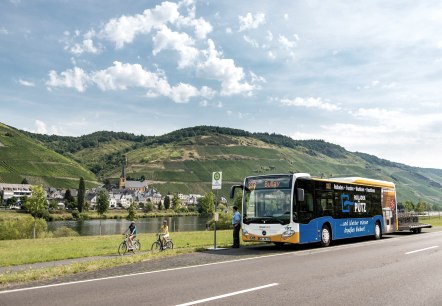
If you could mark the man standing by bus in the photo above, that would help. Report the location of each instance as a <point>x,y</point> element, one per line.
<point>236,222</point>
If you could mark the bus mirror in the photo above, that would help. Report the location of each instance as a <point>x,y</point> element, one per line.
<point>300,195</point>
<point>232,190</point>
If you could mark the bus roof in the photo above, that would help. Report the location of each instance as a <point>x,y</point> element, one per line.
<point>363,181</point>
<point>348,180</point>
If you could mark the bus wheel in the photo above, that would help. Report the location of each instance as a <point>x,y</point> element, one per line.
<point>325,236</point>
<point>377,231</point>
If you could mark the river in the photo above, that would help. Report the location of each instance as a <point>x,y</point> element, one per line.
<point>144,225</point>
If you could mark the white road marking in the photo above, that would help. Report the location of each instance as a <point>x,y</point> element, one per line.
<point>227,295</point>
<point>421,250</point>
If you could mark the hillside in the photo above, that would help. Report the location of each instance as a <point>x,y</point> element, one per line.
<point>22,157</point>
<point>183,160</point>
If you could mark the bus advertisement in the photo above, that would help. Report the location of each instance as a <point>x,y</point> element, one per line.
<point>297,208</point>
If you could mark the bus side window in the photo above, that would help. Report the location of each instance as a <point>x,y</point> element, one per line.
<point>324,204</point>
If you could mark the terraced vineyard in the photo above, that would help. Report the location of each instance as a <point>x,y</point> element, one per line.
<point>22,157</point>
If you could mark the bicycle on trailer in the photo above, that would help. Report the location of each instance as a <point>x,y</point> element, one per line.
<point>123,248</point>
<point>160,246</point>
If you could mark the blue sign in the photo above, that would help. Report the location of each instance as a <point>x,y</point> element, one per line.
<point>346,203</point>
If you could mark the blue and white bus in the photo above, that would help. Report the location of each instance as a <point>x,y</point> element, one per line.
<point>297,208</point>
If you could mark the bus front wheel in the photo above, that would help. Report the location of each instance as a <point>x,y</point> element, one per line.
<point>325,236</point>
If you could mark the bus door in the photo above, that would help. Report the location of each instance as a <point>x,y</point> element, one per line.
<point>388,199</point>
<point>304,211</point>
<point>388,218</point>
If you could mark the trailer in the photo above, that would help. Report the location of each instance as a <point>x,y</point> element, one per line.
<point>410,222</point>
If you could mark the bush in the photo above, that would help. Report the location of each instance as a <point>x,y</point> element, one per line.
<point>224,221</point>
<point>76,214</point>
<point>84,216</point>
<point>23,228</point>
<point>65,232</point>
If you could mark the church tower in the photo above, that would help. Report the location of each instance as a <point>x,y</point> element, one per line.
<point>122,183</point>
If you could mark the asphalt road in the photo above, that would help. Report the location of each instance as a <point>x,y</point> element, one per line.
<point>399,270</point>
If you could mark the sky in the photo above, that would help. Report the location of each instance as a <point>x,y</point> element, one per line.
<point>366,75</point>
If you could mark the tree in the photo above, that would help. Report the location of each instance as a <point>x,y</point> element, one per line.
<point>102,203</point>
<point>421,206</point>
<point>69,200</point>
<point>36,203</point>
<point>131,212</point>
<point>409,206</point>
<point>206,204</point>
<point>176,202</point>
<point>81,195</point>
<point>25,181</point>
<point>166,202</point>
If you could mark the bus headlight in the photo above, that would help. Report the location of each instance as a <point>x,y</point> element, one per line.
<point>245,232</point>
<point>288,233</point>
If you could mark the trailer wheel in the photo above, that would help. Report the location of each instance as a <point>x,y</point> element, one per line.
<point>377,231</point>
<point>325,236</point>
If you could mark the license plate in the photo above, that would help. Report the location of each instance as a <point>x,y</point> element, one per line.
<point>264,239</point>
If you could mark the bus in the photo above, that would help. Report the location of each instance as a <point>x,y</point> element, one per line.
<point>298,208</point>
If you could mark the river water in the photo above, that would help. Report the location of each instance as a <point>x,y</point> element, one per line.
<point>144,225</point>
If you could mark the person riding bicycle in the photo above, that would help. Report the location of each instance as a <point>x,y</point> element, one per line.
<point>164,232</point>
<point>132,233</point>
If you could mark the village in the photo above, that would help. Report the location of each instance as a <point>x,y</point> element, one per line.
<point>121,196</point>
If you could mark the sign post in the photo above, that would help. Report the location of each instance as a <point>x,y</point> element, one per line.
<point>217,179</point>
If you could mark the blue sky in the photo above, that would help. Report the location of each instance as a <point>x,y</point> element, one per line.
<point>366,75</point>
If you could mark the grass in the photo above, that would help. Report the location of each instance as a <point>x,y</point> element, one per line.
<point>435,221</point>
<point>28,251</point>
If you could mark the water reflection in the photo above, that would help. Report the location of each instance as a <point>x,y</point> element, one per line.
<point>144,225</point>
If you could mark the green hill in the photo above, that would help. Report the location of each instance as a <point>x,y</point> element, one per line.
<point>22,157</point>
<point>183,161</point>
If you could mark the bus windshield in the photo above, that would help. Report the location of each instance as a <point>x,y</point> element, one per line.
<point>268,199</point>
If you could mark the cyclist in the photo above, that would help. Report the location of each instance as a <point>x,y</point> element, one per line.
<point>132,233</point>
<point>164,232</point>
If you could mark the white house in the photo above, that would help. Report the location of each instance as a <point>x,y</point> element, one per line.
<point>15,190</point>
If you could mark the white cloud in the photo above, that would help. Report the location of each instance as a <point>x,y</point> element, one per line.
<point>87,46</point>
<point>181,42</point>
<point>41,128</point>
<point>123,30</point>
<point>251,41</point>
<point>122,76</point>
<point>26,83</point>
<point>201,26</point>
<point>183,92</point>
<point>311,103</point>
<point>250,21</point>
<point>3,31</point>
<point>72,78</point>
<point>285,42</point>
<point>224,70</point>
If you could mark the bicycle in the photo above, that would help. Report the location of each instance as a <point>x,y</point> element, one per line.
<point>123,248</point>
<point>158,245</point>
